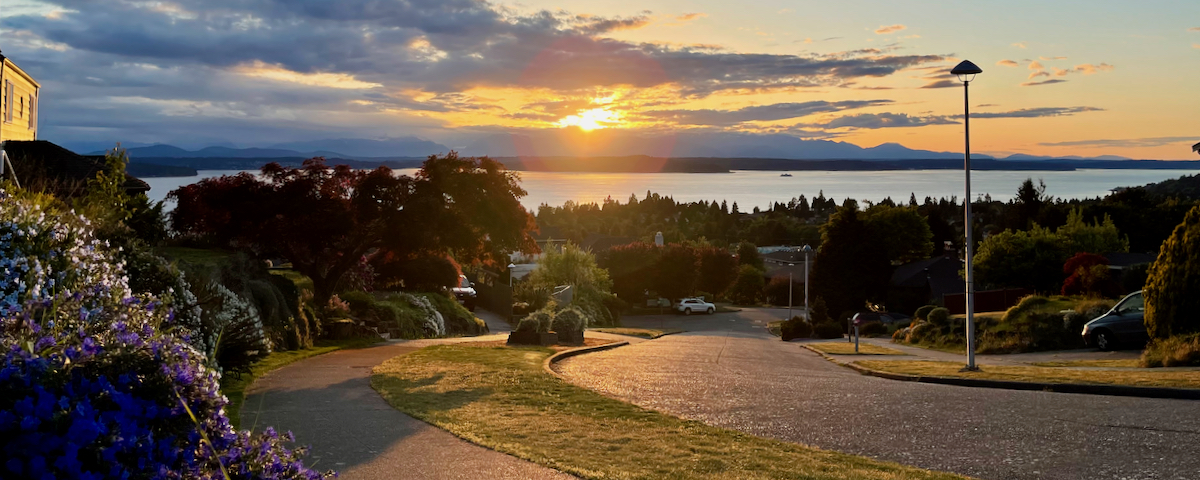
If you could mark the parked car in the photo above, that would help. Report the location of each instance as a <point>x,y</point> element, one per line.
<point>465,292</point>
<point>688,306</point>
<point>1123,325</point>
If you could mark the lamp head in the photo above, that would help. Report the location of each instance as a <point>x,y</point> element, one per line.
<point>807,249</point>
<point>966,71</point>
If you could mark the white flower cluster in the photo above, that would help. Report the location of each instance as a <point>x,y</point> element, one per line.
<point>45,253</point>
<point>434,323</point>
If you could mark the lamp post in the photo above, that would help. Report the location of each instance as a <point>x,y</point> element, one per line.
<point>807,313</point>
<point>966,72</point>
<point>511,266</point>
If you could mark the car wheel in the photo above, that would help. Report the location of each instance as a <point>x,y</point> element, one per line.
<point>1105,341</point>
<point>712,311</point>
<point>687,311</point>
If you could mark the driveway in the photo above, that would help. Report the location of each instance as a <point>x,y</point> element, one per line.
<point>728,371</point>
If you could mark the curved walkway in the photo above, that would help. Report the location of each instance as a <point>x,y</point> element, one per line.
<point>328,403</point>
<point>727,371</point>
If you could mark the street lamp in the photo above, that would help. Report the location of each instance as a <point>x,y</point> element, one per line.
<point>966,72</point>
<point>807,313</point>
<point>511,313</point>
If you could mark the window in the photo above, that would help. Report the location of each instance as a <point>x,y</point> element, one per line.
<point>21,107</point>
<point>32,112</point>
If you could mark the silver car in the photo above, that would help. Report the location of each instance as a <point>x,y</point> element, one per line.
<point>1123,325</point>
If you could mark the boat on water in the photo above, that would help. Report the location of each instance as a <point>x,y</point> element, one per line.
<point>785,175</point>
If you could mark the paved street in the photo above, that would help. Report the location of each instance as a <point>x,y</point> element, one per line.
<point>328,403</point>
<point>728,371</point>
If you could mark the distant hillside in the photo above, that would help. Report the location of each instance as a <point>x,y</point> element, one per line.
<point>1186,187</point>
<point>149,170</point>
<point>227,163</point>
<point>359,147</point>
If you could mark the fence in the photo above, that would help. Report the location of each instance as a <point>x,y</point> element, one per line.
<point>986,301</point>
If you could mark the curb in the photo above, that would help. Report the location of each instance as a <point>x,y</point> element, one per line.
<point>1083,388</point>
<point>560,356</point>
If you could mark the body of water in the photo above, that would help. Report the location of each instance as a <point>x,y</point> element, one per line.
<point>760,188</point>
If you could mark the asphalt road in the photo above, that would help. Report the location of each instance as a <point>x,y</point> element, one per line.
<point>728,371</point>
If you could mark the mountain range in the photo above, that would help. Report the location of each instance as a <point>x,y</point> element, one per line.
<point>576,143</point>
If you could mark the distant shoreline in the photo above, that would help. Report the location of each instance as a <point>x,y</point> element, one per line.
<point>184,167</point>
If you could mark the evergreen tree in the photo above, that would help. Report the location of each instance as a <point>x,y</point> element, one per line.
<point>851,267</point>
<point>1174,279</point>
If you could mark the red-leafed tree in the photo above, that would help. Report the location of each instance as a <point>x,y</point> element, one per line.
<point>1088,275</point>
<point>325,220</point>
<point>718,270</point>
<point>631,268</point>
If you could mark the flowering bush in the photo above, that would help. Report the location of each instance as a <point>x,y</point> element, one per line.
<point>94,384</point>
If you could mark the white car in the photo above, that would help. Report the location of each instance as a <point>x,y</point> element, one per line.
<point>688,306</point>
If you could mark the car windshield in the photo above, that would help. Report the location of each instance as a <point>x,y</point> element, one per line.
<point>1134,304</point>
<point>463,282</point>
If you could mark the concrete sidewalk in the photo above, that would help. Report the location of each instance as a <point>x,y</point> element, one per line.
<point>328,403</point>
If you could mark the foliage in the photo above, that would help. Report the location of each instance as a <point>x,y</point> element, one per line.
<point>1172,283</point>
<point>795,327</point>
<point>540,321</point>
<point>577,267</point>
<point>675,272</point>
<point>908,235</point>
<point>776,291</point>
<point>748,288</point>
<point>418,273</point>
<point>718,270</point>
<point>939,317</point>
<point>326,220</point>
<point>851,268</point>
<point>569,319</point>
<point>1099,237</point>
<point>631,268</point>
<point>827,330</point>
<point>820,313</point>
<point>1088,275</point>
<point>1030,259</point>
<point>747,254</point>
<point>95,383</point>
<point>1175,351</point>
<point>923,312</point>
<point>872,329</point>
<point>457,319</point>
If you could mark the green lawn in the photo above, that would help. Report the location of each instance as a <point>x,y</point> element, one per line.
<point>1141,378</point>
<point>234,387</point>
<point>846,348</point>
<point>501,398</point>
<point>1127,363</point>
<point>638,332</point>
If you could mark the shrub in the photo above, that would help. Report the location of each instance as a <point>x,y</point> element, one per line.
<point>457,319</point>
<point>939,317</point>
<point>827,330</point>
<point>569,320</point>
<point>97,383</point>
<point>528,324</point>
<point>360,302</point>
<point>796,327</point>
<point>920,332</point>
<point>820,313</point>
<point>747,289</point>
<point>923,312</point>
<point>900,334</point>
<point>903,325</point>
<point>1172,282</point>
<point>541,320</point>
<point>1176,351</point>
<point>872,328</point>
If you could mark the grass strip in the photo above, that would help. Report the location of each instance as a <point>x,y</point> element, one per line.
<point>844,348</point>
<point>650,333</point>
<point>234,387</point>
<point>501,398</point>
<point>1137,378</point>
<point>1126,363</point>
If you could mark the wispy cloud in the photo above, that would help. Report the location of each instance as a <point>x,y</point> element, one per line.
<point>1037,112</point>
<point>1021,45</point>
<point>872,121</point>
<point>944,83</point>
<point>1048,59</point>
<point>1194,29</point>
<point>1122,142</point>
<point>1008,63</point>
<point>687,17</point>
<point>1043,82</point>
<point>779,111</point>
<point>886,29</point>
<point>1089,69</point>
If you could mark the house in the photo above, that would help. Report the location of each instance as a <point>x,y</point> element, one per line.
<point>925,282</point>
<point>45,166</point>
<point>18,102</point>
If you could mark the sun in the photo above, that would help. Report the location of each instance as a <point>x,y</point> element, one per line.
<point>588,120</point>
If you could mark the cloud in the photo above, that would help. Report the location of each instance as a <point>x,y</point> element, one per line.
<point>1043,82</point>
<point>1008,63</point>
<point>945,83</point>
<point>1196,45</point>
<point>1194,29</point>
<point>872,121</point>
<point>1021,45</point>
<point>779,111</point>
<point>987,105</point>
<point>1037,112</point>
<point>1124,142</point>
<point>886,29</point>
<point>1089,69</point>
<point>687,17</point>
<point>604,25</point>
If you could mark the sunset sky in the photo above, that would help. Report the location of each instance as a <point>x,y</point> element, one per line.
<point>1060,78</point>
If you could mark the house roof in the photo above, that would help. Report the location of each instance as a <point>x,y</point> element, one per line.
<point>29,156</point>
<point>599,242</point>
<point>1122,259</point>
